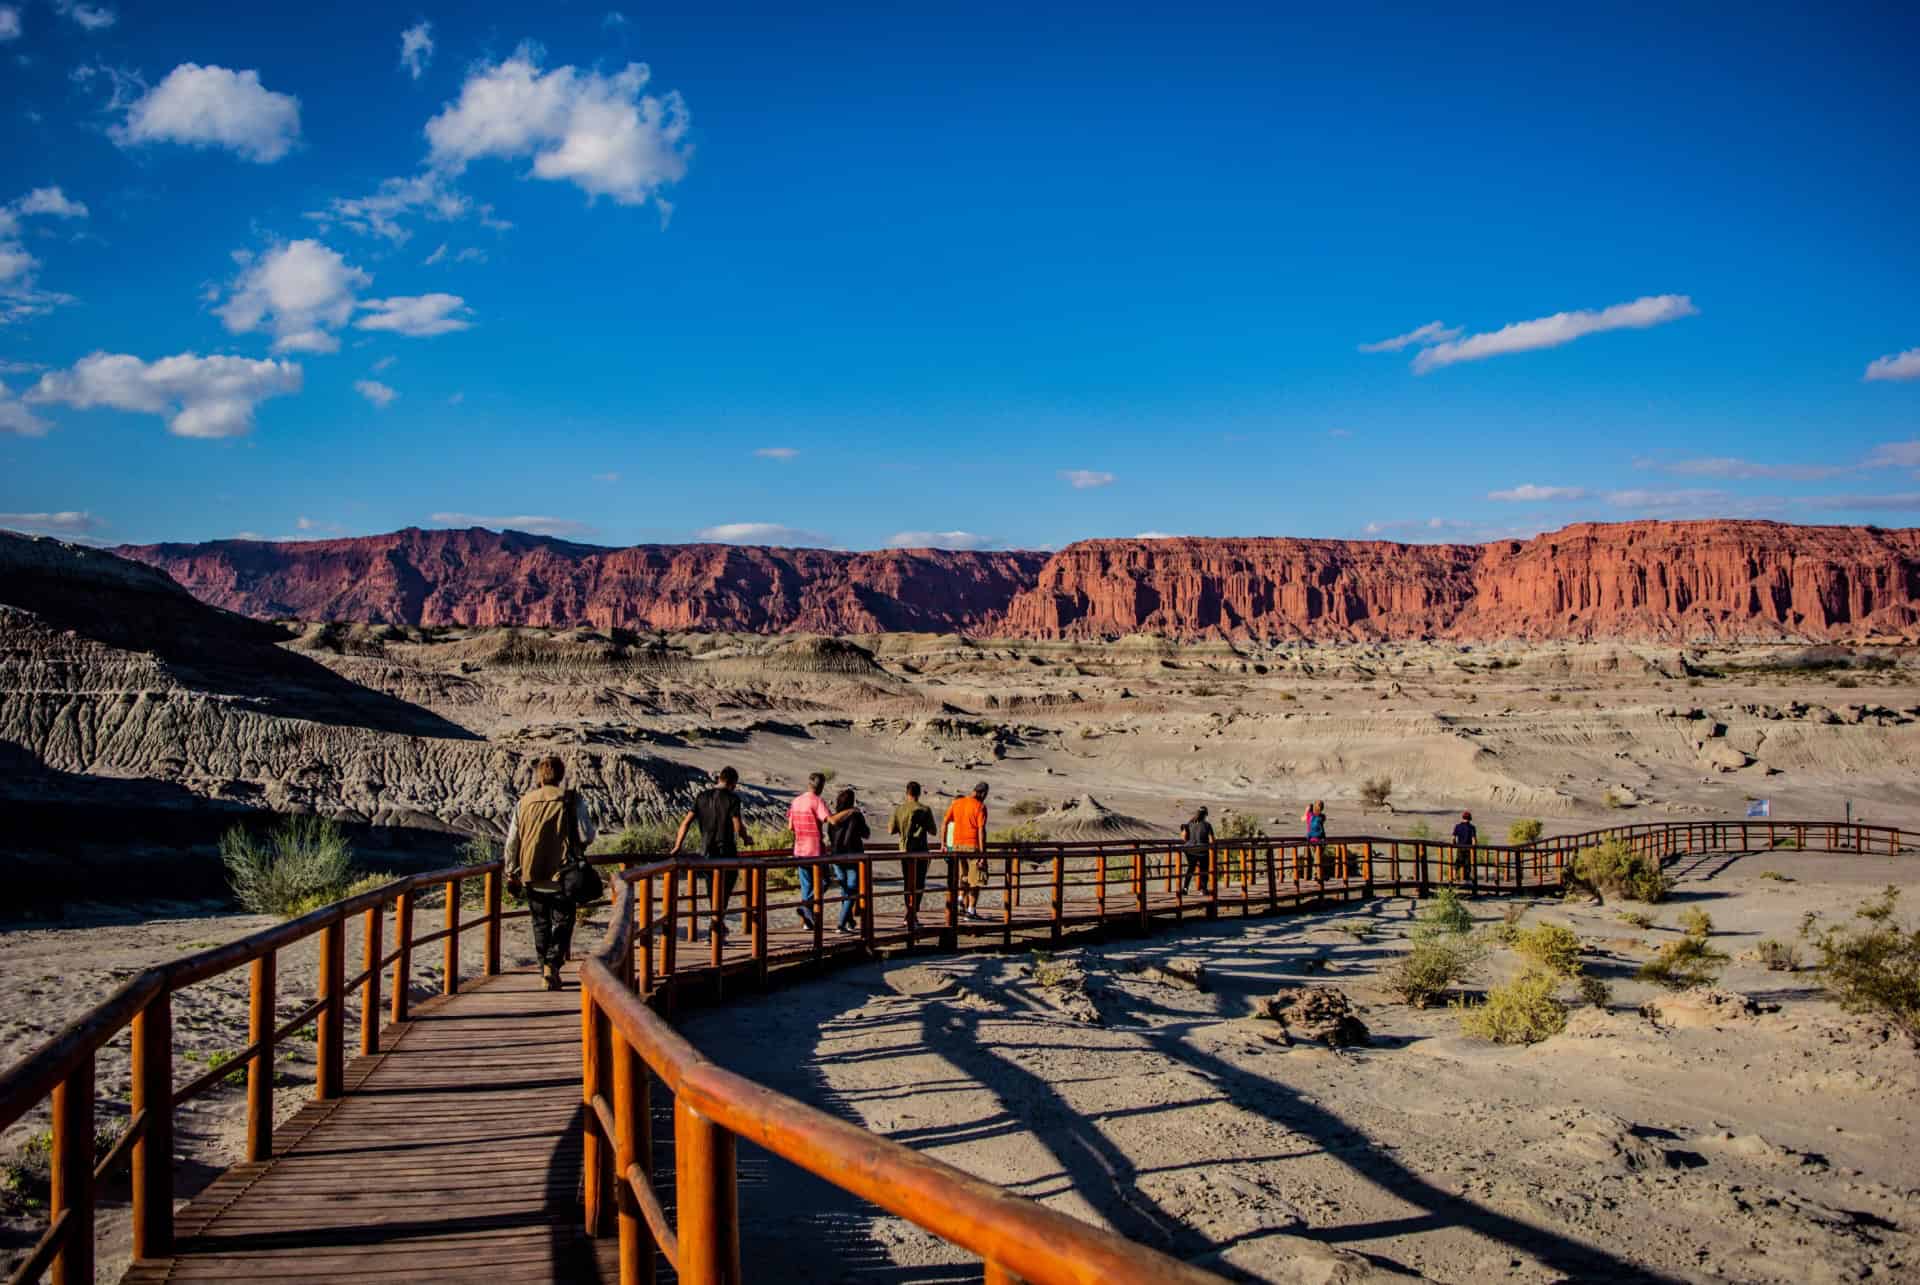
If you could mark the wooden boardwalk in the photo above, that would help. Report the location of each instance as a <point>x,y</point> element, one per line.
<point>455,1155</point>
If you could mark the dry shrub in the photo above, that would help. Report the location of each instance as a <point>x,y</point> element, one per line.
<point>1419,830</point>
<point>1027,808</point>
<point>1376,790</point>
<point>1779,956</point>
<point>1524,831</point>
<point>1636,918</point>
<point>1873,968</point>
<point>1443,915</point>
<point>1239,825</point>
<point>1695,922</point>
<point>1508,929</point>
<point>1684,963</point>
<point>304,862</point>
<point>1554,947</point>
<point>1435,963</point>
<point>1595,991</point>
<point>1524,1011</point>
<point>1611,870</point>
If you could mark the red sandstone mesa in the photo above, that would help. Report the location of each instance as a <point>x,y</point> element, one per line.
<point>1666,581</point>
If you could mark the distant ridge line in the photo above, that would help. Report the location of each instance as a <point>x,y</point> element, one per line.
<point>1710,580</point>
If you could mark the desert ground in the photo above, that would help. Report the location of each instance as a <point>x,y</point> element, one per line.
<point>1088,740</point>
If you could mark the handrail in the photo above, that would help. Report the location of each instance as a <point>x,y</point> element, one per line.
<point>63,1068</point>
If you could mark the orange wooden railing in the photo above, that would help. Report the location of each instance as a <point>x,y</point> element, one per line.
<point>1080,886</point>
<point>637,973</point>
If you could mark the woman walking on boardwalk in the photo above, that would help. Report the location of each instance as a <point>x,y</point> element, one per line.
<point>848,831</point>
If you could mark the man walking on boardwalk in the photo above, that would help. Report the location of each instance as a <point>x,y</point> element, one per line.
<point>913,822</point>
<point>549,825</point>
<point>717,812</point>
<point>1464,837</point>
<point>966,832</point>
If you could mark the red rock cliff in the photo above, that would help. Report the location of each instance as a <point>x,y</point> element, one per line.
<point>1669,581</point>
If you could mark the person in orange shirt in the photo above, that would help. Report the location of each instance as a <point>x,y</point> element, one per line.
<point>966,831</point>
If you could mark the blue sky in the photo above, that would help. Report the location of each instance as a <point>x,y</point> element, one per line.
<point>974,275</point>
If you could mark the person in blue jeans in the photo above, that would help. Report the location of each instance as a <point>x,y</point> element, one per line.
<point>849,832</point>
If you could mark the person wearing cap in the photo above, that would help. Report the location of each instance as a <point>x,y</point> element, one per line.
<point>1464,837</point>
<point>1196,840</point>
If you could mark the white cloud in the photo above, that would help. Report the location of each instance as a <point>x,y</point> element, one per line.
<point>1433,332</point>
<point>777,452</point>
<point>606,477</point>
<point>199,396</point>
<point>301,291</point>
<point>1560,328</point>
<point>614,18</point>
<point>1895,455</point>
<point>1082,479</point>
<point>214,107</point>
<point>471,255</point>
<point>1899,365</point>
<point>937,540</point>
<point>599,132</point>
<point>762,533</point>
<point>18,418</point>
<point>416,48</point>
<point>375,391</point>
<point>383,363</point>
<point>50,201</point>
<point>379,215</point>
<point>1657,500</point>
<point>1725,466</point>
<point>436,256</point>
<point>71,522</point>
<point>305,523</point>
<point>416,316</point>
<point>93,17</point>
<point>1908,501</point>
<point>9,22</point>
<point>530,523</point>
<point>1528,492</point>
<point>1158,535</point>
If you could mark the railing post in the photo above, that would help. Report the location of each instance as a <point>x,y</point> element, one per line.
<point>1009,894</point>
<point>819,908</point>
<point>370,997</point>
<point>630,1152</point>
<point>260,1023</point>
<point>758,878</point>
<point>1059,890</point>
<point>493,923</point>
<point>1100,888</point>
<point>670,940</point>
<point>716,926</point>
<point>330,1037</point>
<point>1273,878</point>
<point>450,978</point>
<point>153,1104</point>
<point>866,902</point>
<point>951,938</point>
<point>72,1163</point>
<point>596,1155</point>
<point>1213,882</point>
<point>1140,886</point>
<point>645,934</point>
<point>709,1199</point>
<point>403,966</point>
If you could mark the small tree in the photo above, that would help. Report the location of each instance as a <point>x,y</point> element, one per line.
<point>1524,1011</point>
<point>1239,825</point>
<point>1376,790</point>
<point>303,862</point>
<point>1612,870</point>
<point>1873,968</point>
<point>1524,831</point>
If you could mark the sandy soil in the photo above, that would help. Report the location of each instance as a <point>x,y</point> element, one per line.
<point>1777,1145</point>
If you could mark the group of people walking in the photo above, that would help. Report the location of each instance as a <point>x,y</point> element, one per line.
<point>552,825</point>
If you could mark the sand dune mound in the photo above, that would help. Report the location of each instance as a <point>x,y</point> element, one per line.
<point>1084,817</point>
<point>823,656</point>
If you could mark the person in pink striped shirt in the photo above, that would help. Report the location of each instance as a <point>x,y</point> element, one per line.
<point>809,817</point>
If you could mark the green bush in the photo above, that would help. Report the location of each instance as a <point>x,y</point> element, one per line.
<point>1027,808</point>
<point>1686,962</point>
<point>1636,918</point>
<point>1695,922</point>
<point>1239,825</point>
<point>1419,830</point>
<point>304,861</point>
<point>1611,870</point>
<point>479,850</point>
<point>1873,968</point>
<point>1443,915</point>
<point>1779,956</point>
<point>1424,973</point>
<point>646,839</point>
<point>1524,1011</point>
<point>1025,832</point>
<point>1554,947</point>
<point>1524,831</point>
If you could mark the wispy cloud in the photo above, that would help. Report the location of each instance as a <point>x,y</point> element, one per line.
<point>416,48</point>
<point>416,316</point>
<point>71,522</point>
<point>938,540</point>
<point>376,392</point>
<point>1083,479</point>
<point>305,523</point>
<point>532,524</point>
<point>1899,365</point>
<point>1433,332</point>
<point>1732,468</point>
<point>1448,530</point>
<point>763,533</point>
<point>18,418</point>
<point>199,396</point>
<point>1544,332</point>
<point>1530,493</point>
<point>606,477</point>
<point>91,17</point>
<point>9,22</point>
<point>777,452</point>
<point>1157,535</point>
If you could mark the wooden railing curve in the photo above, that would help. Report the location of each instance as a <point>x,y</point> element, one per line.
<point>638,968</point>
<point>626,1044</point>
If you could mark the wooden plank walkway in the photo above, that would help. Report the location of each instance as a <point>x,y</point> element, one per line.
<point>455,1155</point>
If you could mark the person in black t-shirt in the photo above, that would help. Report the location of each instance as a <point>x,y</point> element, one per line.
<point>1464,837</point>
<point>717,812</point>
<point>1196,839</point>
<point>847,833</point>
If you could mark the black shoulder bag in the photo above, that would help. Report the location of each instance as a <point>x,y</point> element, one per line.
<point>579,882</point>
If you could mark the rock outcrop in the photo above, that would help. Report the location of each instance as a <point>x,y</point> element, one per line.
<point>1725,581</point>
